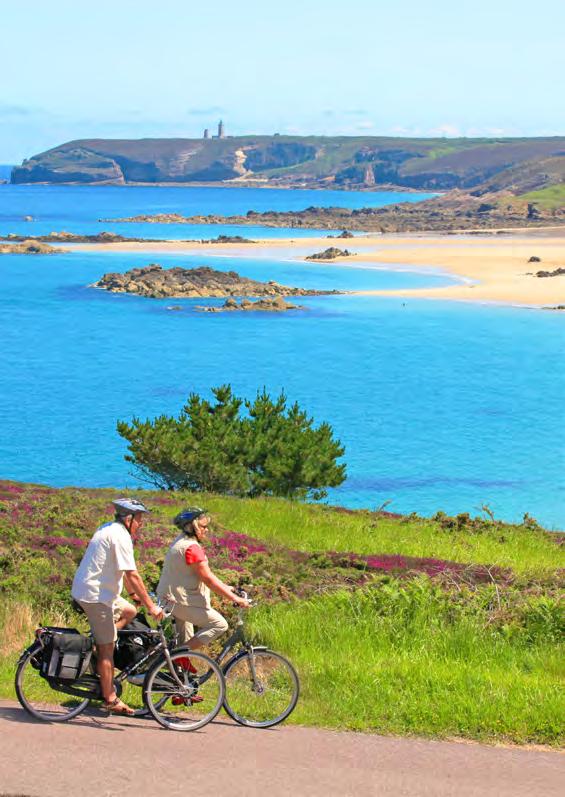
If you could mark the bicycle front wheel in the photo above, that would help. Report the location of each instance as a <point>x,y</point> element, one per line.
<point>262,688</point>
<point>190,696</point>
<point>36,695</point>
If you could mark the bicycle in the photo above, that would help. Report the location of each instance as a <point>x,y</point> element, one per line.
<point>262,686</point>
<point>180,693</point>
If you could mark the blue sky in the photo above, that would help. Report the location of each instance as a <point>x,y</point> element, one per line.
<point>130,69</point>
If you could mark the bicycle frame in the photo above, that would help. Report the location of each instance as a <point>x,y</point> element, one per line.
<point>237,637</point>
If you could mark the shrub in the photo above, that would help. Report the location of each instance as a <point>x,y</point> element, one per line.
<point>272,450</point>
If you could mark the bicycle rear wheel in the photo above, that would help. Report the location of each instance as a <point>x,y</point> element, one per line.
<point>189,698</point>
<point>262,688</point>
<point>36,695</point>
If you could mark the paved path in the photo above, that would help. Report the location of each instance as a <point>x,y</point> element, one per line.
<point>102,757</point>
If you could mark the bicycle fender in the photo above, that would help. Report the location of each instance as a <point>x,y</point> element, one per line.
<point>34,648</point>
<point>240,654</point>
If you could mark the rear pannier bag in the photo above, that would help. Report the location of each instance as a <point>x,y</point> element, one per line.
<point>66,655</point>
<point>132,647</point>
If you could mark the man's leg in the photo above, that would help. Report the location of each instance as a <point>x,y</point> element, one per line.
<point>101,619</point>
<point>123,613</point>
<point>105,670</point>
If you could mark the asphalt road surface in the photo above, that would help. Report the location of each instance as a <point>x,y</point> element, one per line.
<point>103,757</point>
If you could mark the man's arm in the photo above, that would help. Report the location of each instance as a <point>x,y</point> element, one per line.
<point>134,584</point>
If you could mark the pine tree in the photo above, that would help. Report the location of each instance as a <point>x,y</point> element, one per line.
<point>270,449</point>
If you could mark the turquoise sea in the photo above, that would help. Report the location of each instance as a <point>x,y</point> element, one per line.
<point>440,405</point>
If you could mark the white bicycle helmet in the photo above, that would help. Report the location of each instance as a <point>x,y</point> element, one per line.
<point>128,506</point>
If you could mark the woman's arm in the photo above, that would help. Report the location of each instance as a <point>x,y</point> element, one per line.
<point>204,573</point>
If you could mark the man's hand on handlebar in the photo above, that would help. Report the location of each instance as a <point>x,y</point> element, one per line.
<point>156,612</point>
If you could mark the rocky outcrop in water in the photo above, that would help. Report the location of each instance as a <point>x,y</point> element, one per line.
<point>558,272</point>
<point>30,247</point>
<point>329,254</point>
<point>454,211</point>
<point>156,282</point>
<point>343,234</point>
<point>276,305</point>
<point>78,238</point>
<point>228,239</point>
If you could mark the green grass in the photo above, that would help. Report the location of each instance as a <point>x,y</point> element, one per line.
<point>550,198</point>
<point>398,653</point>
<point>409,662</point>
<point>404,658</point>
<point>317,528</point>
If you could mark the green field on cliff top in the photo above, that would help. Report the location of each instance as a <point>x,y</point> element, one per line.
<point>444,627</point>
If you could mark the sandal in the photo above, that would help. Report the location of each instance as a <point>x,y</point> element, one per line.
<point>117,706</point>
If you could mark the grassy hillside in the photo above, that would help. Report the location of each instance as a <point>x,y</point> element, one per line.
<point>550,198</point>
<point>442,627</point>
<point>316,161</point>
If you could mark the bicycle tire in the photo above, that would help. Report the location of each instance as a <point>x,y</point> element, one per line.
<point>263,704</point>
<point>199,698</point>
<point>38,698</point>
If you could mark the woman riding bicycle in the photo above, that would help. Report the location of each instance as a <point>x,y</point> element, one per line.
<point>186,581</point>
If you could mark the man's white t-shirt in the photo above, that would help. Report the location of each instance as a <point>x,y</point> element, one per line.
<point>99,578</point>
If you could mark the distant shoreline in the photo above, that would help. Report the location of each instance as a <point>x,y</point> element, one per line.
<point>495,269</point>
<point>345,189</point>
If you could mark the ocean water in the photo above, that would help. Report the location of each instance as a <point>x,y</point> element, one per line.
<point>440,405</point>
<point>79,208</point>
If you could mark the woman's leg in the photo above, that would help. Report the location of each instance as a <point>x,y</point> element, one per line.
<point>210,624</point>
<point>183,624</point>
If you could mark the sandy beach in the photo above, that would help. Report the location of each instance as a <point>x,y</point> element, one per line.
<point>491,268</point>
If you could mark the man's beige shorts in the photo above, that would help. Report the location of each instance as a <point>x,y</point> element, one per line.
<point>102,619</point>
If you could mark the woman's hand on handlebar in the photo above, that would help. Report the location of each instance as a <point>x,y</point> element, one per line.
<point>243,603</point>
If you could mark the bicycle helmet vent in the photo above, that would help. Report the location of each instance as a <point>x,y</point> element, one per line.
<point>187,515</point>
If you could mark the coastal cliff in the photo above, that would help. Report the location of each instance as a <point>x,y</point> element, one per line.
<point>516,165</point>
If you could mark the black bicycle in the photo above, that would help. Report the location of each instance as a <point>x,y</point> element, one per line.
<point>262,687</point>
<point>181,693</point>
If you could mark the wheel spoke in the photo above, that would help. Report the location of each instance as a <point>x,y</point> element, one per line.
<point>260,691</point>
<point>39,699</point>
<point>194,700</point>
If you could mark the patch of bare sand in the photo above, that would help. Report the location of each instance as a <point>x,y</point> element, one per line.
<point>496,269</point>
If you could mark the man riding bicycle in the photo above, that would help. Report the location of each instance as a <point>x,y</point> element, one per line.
<point>107,564</point>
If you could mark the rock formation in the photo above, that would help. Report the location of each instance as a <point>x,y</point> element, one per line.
<point>329,254</point>
<point>558,272</point>
<point>276,305</point>
<point>29,247</point>
<point>229,239</point>
<point>456,210</point>
<point>156,282</point>
<point>77,238</point>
